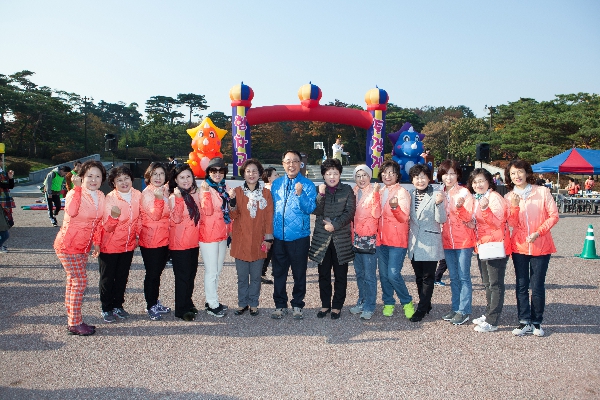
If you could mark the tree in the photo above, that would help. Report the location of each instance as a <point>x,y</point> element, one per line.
<point>194,102</point>
<point>160,109</point>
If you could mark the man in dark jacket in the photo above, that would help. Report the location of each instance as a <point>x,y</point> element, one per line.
<point>294,201</point>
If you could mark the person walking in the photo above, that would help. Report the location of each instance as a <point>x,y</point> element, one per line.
<point>533,213</point>
<point>331,246</point>
<point>53,186</point>
<point>294,200</point>
<point>84,208</point>
<point>252,214</point>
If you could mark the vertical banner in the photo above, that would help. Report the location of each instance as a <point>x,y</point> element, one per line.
<point>241,100</point>
<point>376,100</point>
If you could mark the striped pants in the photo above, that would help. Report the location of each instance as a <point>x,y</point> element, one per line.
<point>74,265</point>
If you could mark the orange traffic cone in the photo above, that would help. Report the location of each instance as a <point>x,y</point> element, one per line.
<point>589,246</point>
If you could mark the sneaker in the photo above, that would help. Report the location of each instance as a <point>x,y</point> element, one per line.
<point>409,310</point>
<point>153,313</point>
<point>279,313</point>
<point>161,308</point>
<point>357,309</point>
<point>55,224</point>
<point>169,264</point>
<point>485,327</point>
<point>388,310</point>
<point>479,321</point>
<point>3,249</point>
<point>537,330</point>
<point>366,315</point>
<point>297,314</point>
<point>218,312</point>
<point>119,312</point>
<point>459,318</point>
<point>439,283</point>
<point>449,316</point>
<point>523,329</point>
<point>223,306</point>
<point>108,316</point>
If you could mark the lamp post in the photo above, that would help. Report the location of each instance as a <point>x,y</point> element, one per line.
<point>492,110</point>
<point>85,99</point>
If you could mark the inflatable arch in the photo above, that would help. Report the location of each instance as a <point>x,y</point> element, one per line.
<point>243,117</point>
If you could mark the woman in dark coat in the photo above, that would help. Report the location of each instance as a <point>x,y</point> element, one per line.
<point>331,244</point>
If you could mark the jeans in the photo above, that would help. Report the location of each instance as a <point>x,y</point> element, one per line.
<point>248,282</point>
<point>365,266</point>
<point>530,270</point>
<point>288,254</point>
<point>340,273</point>
<point>492,275</point>
<point>390,261</point>
<point>459,268</point>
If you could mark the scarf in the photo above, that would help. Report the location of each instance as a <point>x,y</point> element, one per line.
<point>221,189</point>
<point>191,205</point>
<point>255,198</point>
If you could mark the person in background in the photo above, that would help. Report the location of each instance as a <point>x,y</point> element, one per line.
<point>540,181</point>
<point>439,273</point>
<point>533,213</point>
<point>154,236</point>
<point>53,185</point>
<point>121,228</point>
<point>69,176</point>
<point>84,206</point>
<point>7,182</point>
<point>490,213</point>
<point>268,176</point>
<point>337,149</point>
<point>364,238</point>
<point>331,246</point>
<point>427,213</point>
<point>458,240</point>
<point>573,187</point>
<point>498,179</point>
<point>588,184</point>
<point>294,200</point>
<point>252,234</point>
<point>392,240</point>
<point>173,163</point>
<point>215,227</point>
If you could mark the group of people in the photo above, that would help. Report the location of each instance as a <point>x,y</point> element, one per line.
<point>375,225</point>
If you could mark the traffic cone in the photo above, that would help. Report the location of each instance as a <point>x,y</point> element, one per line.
<point>589,246</point>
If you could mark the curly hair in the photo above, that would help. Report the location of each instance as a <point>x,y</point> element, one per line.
<point>331,163</point>
<point>416,170</point>
<point>116,172</point>
<point>389,164</point>
<point>251,161</point>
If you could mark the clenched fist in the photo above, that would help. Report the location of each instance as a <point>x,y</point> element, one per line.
<point>177,192</point>
<point>204,186</point>
<point>298,188</point>
<point>460,202</point>
<point>483,203</point>
<point>115,212</point>
<point>515,200</point>
<point>159,193</point>
<point>393,202</point>
<point>322,188</point>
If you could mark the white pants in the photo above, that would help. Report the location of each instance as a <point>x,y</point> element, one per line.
<point>213,255</point>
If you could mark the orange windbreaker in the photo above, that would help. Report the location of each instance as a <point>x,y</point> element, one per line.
<point>491,223</point>
<point>538,213</point>
<point>455,233</point>
<point>183,234</point>
<point>82,222</point>
<point>393,224</point>
<point>120,234</point>
<point>155,219</point>
<point>212,226</point>
<point>368,212</point>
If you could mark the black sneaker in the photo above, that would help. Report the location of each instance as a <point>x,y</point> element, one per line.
<point>223,306</point>
<point>217,312</point>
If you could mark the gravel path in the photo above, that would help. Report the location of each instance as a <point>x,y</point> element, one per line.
<point>244,357</point>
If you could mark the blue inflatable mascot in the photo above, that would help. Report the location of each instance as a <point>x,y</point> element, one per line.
<point>408,147</point>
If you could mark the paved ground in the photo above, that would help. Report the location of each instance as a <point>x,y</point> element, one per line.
<point>243,357</point>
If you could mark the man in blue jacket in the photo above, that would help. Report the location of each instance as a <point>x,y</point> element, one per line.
<point>294,199</point>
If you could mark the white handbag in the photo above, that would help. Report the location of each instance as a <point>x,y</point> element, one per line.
<point>491,250</point>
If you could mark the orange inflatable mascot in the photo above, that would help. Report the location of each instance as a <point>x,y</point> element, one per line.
<point>206,142</point>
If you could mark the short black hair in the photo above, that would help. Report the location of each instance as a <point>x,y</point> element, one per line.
<point>296,152</point>
<point>267,174</point>
<point>150,171</point>
<point>486,174</point>
<point>86,166</point>
<point>178,170</point>
<point>64,168</point>
<point>331,163</point>
<point>387,164</point>
<point>416,170</point>
<point>116,172</point>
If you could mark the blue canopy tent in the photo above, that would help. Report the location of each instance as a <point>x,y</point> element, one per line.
<point>574,161</point>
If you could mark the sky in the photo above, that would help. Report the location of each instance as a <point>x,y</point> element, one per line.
<point>423,53</point>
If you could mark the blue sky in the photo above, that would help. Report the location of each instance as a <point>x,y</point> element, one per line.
<point>437,53</point>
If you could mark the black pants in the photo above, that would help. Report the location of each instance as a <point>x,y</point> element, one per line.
<point>114,272</point>
<point>155,260</point>
<point>340,273</point>
<point>285,254</point>
<point>439,272</point>
<point>53,200</point>
<point>424,275</point>
<point>267,261</point>
<point>185,267</point>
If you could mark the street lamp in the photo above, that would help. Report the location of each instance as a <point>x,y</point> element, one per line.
<point>492,110</point>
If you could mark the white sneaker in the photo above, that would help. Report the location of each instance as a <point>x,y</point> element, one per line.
<point>485,327</point>
<point>480,320</point>
<point>538,331</point>
<point>523,329</point>
<point>297,314</point>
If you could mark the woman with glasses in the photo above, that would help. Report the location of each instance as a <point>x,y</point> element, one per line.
<point>215,227</point>
<point>490,213</point>
<point>331,245</point>
<point>154,236</point>
<point>533,213</point>
<point>392,240</point>
<point>458,240</point>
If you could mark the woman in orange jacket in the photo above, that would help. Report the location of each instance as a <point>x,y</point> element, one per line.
<point>154,236</point>
<point>121,228</point>
<point>84,206</point>
<point>458,239</point>
<point>533,213</point>
<point>184,204</point>
<point>252,235</point>
<point>490,214</point>
<point>214,230</point>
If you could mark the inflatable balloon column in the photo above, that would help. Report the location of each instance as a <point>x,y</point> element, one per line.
<point>241,100</point>
<point>376,100</point>
<point>309,95</point>
<point>206,142</point>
